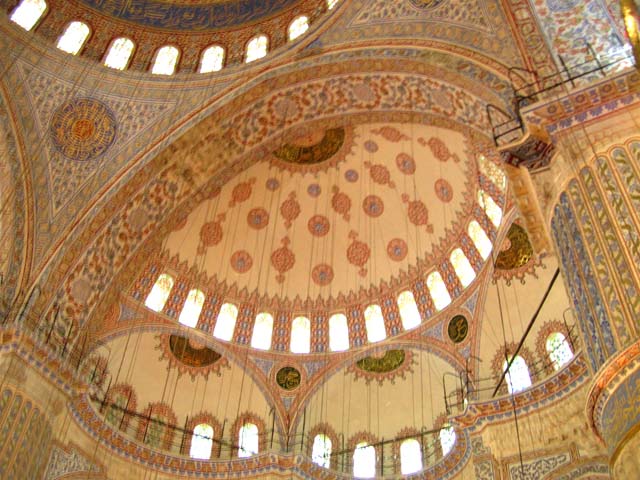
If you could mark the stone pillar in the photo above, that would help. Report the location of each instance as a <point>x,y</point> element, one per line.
<point>586,195</point>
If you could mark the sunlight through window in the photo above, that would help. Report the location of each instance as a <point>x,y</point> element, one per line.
<point>480,239</point>
<point>119,53</point>
<point>298,27</point>
<point>212,59</point>
<point>166,61</point>
<point>493,211</point>
<point>321,451</point>
<point>493,172</point>
<point>226,322</point>
<point>410,456</point>
<point>447,439</point>
<point>257,48</point>
<point>517,377</point>
<point>249,439</point>
<point>73,38</point>
<point>338,333</point>
<point>364,461</point>
<point>192,308</point>
<point>28,12</point>
<point>374,323</point>
<point>462,267</point>
<point>159,293</point>
<point>262,331</point>
<point>438,290</point>
<point>201,442</point>
<point>301,335</point>
<point>409,313</point>
<point>559,350</point>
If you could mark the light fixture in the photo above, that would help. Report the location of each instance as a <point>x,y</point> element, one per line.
<point>631,17</point>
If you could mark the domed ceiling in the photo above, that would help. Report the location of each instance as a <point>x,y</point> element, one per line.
<point>192,14</point>
<point>333,216</point>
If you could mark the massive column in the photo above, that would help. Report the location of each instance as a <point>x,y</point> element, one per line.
<point>590,199</point>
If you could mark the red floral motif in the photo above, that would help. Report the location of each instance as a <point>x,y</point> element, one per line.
<point>241,192</point>
<point>418,213</point>
<point>341,203</point>
<point>283,259</point>
<point>391,134</point>
<point>318,225</point>
<point>397,249</point>
<point>322,274</point>
<point>439,149</point>
<point>373,206</point>
<point>406,164</point>
<point>444,191</point>
<point>211,233</point>
<point>241,261</point>
<point>358,253</point>
<point>258,218</point>
<point>380,174</point>
<point>290,209</point>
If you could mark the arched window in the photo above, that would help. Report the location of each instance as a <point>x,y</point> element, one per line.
<point>338,333</point>
<point>73,37</point>
<point>117,408</point>
<point>438,290</point>
<point>256,48</point>
<point>298,27</point>
<point>226,322</point>
<point>192,308</point>
<point>409,313</point>
<point>374,323</point>
<point>493,172</point>
<point>410,456</point>
<point>301,335</point>
<point>517,377</point>
<point>480,239</point>
<point>28,12</point>
<point>462,267</point>
<point>262,331</point>
<point>331,4</point>
<point>447,439</point>
<point>364,461</point>
<point>559,350</point>
<point>201,442</point>
<point>321,451</point>
<point>119,53</point>
<point>212,59</point>
<point>493,211</point>
<point>159,293</point>
<point>155,431</point>
<point>166,61</point>
<point>249,440</point>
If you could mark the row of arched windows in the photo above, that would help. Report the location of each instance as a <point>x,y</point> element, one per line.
<point>559,352</point>
<point>338,326</point>
<point>364,455</point>
<point>166,59</point>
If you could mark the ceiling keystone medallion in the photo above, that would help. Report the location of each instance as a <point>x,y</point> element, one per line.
<point>82,129</point>
<point>288,378</point>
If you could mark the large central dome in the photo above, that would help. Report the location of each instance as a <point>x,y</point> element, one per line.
<point>192,14</point>
<point>333,216</point>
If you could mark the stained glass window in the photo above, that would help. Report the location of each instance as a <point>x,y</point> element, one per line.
<point>73,37</point>
<point>438,290</point>
<point>447,439</point>
<point>201,442</point>
<point>159,293</point>
<point>298,27</point>
<point>262,331</point>
<point>559,350</point>
<point>300,335</point>
<point>517,377</point>
<point>480,239</point>
<point>493,172</point>
<point>226,322</point>
<point>331,4</point>
<point>410,456</point>
<point>119,53</point>
<point>462,267</point>
<point>374,323</point>
<point>493,211</point>
<point>249,439</point>
<point>192,308</point>
<point>212,59</point>
<point>338,333</point>
<point>166,61</point>
<point>364,461</point>
<point>321,451</point>
<point>28,12</point>
<point>257,48</point>
<point>409,313</point>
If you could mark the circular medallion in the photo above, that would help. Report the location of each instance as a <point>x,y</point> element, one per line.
<point>272,184</point>
<point>397,249</point>
<point>322,274</point>
<point>258,218</point>
<point>458,329</point>
<point>444,191</point>
<point>288,378</point>
<point>241,261</point>
<point>318,225</point>
<point>82,129</point>
<point>406,164</point>
<point>373,206</point>
<point>351,176</point>
<point>314,190</point>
